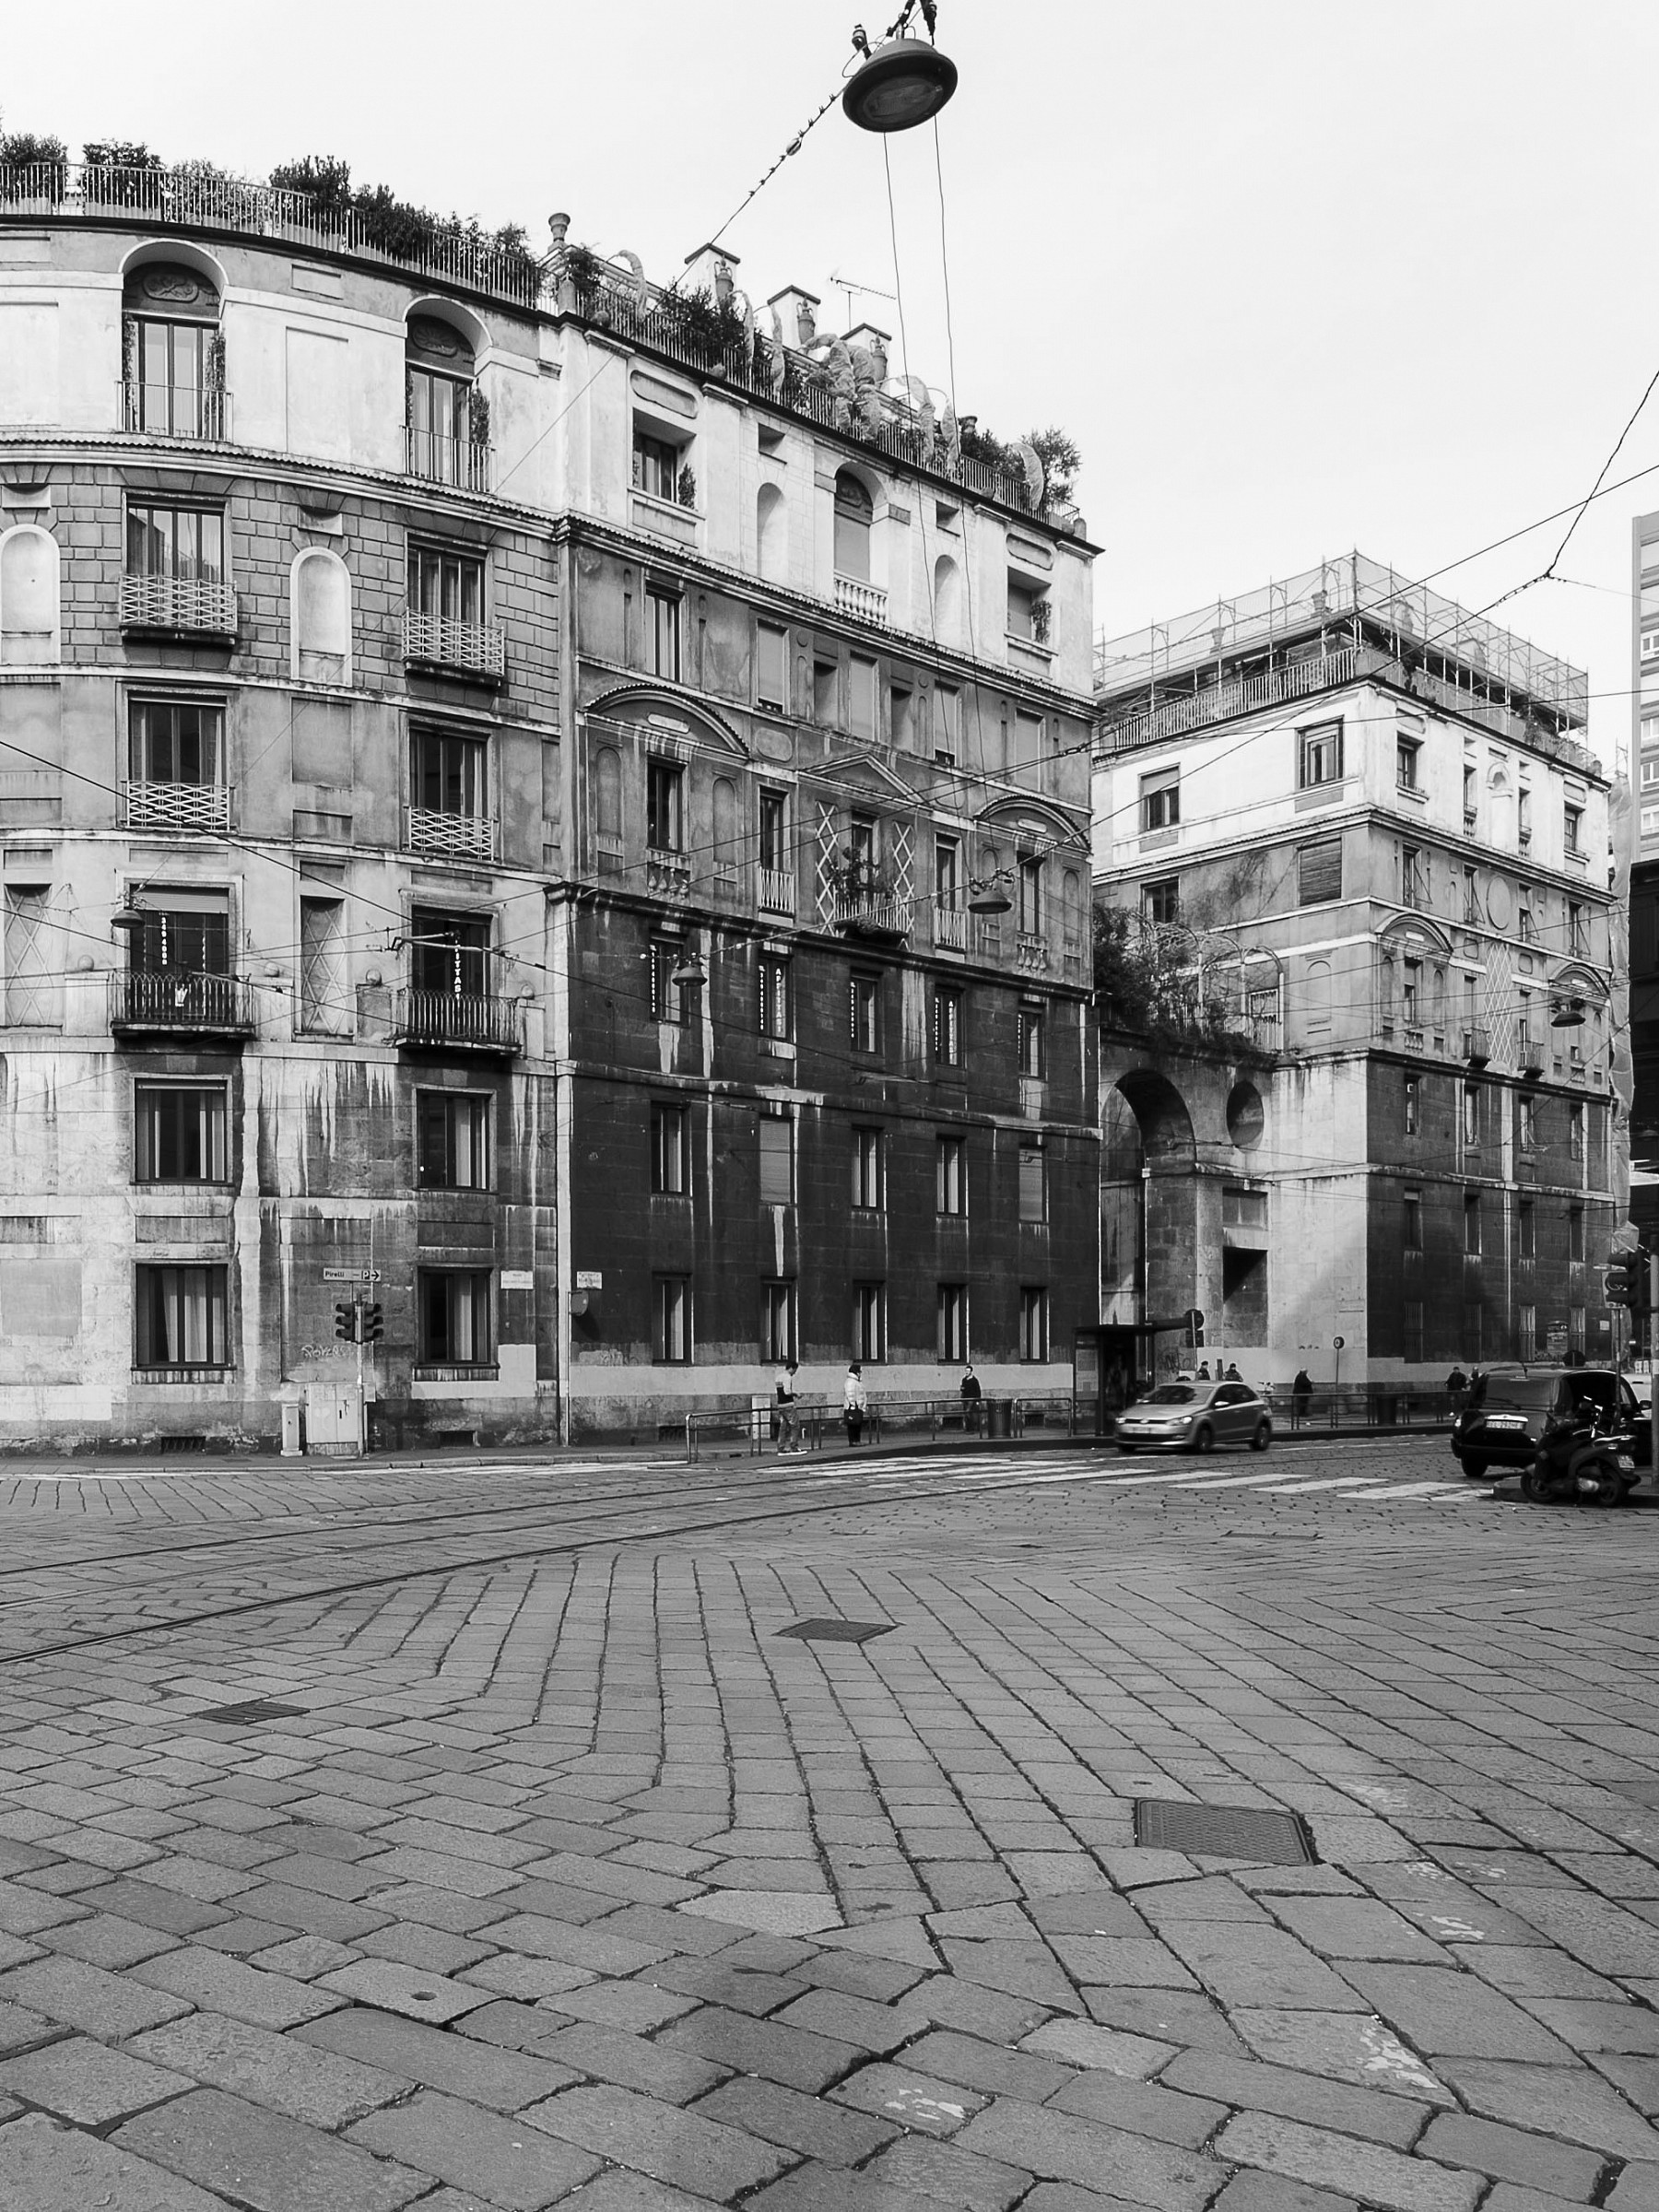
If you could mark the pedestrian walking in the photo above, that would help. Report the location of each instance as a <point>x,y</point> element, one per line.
<point>1232,1374</point>
<point>788,1424</point>
<point>1457,1384</point>
<point>855,1402</point>
<point>1301,1391</point>
<point>973,1401</point>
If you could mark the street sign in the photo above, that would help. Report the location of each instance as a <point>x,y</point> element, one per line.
<point>351,1275</point>
<point>1338,1342</point>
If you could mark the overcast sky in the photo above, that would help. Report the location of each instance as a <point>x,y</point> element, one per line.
<point>1296,278</point>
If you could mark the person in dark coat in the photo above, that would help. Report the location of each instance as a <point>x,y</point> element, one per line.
<point>973,1410</point>
<point>1301,1391</point>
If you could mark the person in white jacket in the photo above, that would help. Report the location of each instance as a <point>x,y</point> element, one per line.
<point>854,1403</point>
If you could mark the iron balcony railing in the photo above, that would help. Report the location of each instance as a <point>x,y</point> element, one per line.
<point>436,642</point>
<point>872,913</point>
<point>457,1021</point>
<point>174,410</point>
<point>465,463</point>
<point>181,1001</point>
<point>439,836</point>
<point>777,894</point>
<point>177,603</point>
<point>200,806</point>
<point>868,601</point>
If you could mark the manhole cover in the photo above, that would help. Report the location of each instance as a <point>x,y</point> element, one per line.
<point>1224,1831</point>
<point>836,1632</point>
<point>251,1709</point>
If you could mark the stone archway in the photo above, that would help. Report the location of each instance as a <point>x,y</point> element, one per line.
<point>1148,1199</point>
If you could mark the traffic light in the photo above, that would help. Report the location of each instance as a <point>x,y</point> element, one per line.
<point>346,1321</point>
<point>1194,1321</point>
<point>1626,1280</point>
<point>374,1326</point>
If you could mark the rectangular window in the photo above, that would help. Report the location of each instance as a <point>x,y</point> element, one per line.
<point>655,467</point>
<point>1161,902</point>
<point>1031,903</point>
<point>778,1323</point>
<point>1414,884</point>
<point>1411,992</point>
<point>865,1012</point>
<point>1413,1312</point>
<point>948,853</point>
<point>1525,927</point>
<point>777,1158</point>
<point>1407,750</point>
<point>1020,609</point>
<point>1028,751</point>
<point>1033,1184</point>
<point>824,690</point>
<point>1411,1214</point>
<point>452,1140</point>
<point>671,1320</point>
<point>1573,824</point>
<point>184,545</point>
<point>1575,1132</point>
<point>665,806</point>
<point>1473,1332</point>
<point>1470,806</point>
<point>179,1132</point>
<point>947,719</point>
<point>1526,1124</point>
<point>326,1005</point>
<point>1472,1224</point>
<point>1575,1329</point>
<point>1526,1332</point>
<point>1526,1230</point>
<point>771,667</point>
<point>1650,769</point>
<point>1577,942</point>
<point>448,773</point>
<point>1319,871</point>
<point>901,716</point>
<point>1161,799</point>
<point>867,1179</point>
<point>774,832</point>
<point>1241,1208</point>
<point>1471,910</point>
<point>441,445</point>
<point>950,1190</point>
<point>670,1149</point>
<point>667,998</point>
<point>174,741</point>
<point>34,990</point>
<point>193,940</point>
<point>948,1025</point>
<point>1030,1041</point>
<point>175,389</point>
<point>1471,1113</point>
<point>869,1322</point>
<point>860,698</point>
<point>1033,1323</point>
<point>1523,815</point>
<point>663,634</point>
<point>1319,756</point>
<point>1575,1235</point>
<point>446,585</point>
<point>953,1323</point>
<point>180,1316</point>
<point>454,1325</point>
<point>775,1011</point>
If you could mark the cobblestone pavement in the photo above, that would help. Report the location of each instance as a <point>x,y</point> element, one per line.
<point>534,1864</point>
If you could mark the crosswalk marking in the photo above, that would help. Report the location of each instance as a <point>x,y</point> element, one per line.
<point>1268,1482</point>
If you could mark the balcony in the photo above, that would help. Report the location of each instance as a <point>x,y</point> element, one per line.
<point>175,411</point>
<point>436,836</point>
<point>179,1002</point>
<point>872,913</point>
<point>175,605</point>
<point>465,463</point>
<point>668,874</point>
<point>863,602</point>
<point>201,807</point>
<point>950,928</point>
<point>777,891</point>
<point>455,1022</point>
<point>1476,1047</point>
<point>1031,953</point>
<point>461,648</point>
<point>1529,1054</point>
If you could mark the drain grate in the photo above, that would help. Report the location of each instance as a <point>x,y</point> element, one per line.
<point>1224,1831</point>
<point>249,1709</point>
<point>836,1632</point>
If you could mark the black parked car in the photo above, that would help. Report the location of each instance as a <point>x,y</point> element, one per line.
<point>1503,1417</point>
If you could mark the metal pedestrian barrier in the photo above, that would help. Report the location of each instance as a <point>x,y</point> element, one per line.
<point>818,1423</point>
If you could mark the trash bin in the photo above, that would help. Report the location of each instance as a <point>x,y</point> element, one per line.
<point>999,1416</point>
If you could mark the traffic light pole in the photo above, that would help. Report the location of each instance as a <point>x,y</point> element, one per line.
<point>362,1404</point>
<point>1653,1261</point>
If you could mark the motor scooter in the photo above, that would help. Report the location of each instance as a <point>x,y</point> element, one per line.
<point>1584,1457</point>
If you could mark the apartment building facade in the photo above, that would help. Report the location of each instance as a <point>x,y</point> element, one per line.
<point>434,842</point>
<point>1365,823</point>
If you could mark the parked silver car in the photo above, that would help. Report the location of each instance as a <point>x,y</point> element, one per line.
<point>1196,1417</point>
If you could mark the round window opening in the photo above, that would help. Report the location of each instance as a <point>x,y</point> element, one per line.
<point>1245,1118</point>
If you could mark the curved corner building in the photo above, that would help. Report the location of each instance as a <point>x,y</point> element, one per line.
<point>493,772</point>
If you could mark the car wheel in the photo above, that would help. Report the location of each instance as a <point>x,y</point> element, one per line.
<point>1204,1438</point>
<point>1262,1436</point>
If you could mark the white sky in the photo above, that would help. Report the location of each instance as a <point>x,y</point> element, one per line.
<point>1296,276</point>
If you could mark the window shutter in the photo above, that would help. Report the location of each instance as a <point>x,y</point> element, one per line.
<point>1321,872</point>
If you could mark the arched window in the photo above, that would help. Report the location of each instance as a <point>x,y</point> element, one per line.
<point>321,619</point>
<point>772,532</point>
<point>1318,998</point>
<point>853,515</point>
<point>948,601</point>
<point>449,426</point>
<point>29,597</point>
<point>608,809</point>
<point>1071,911</point>
<point>174,370</point>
